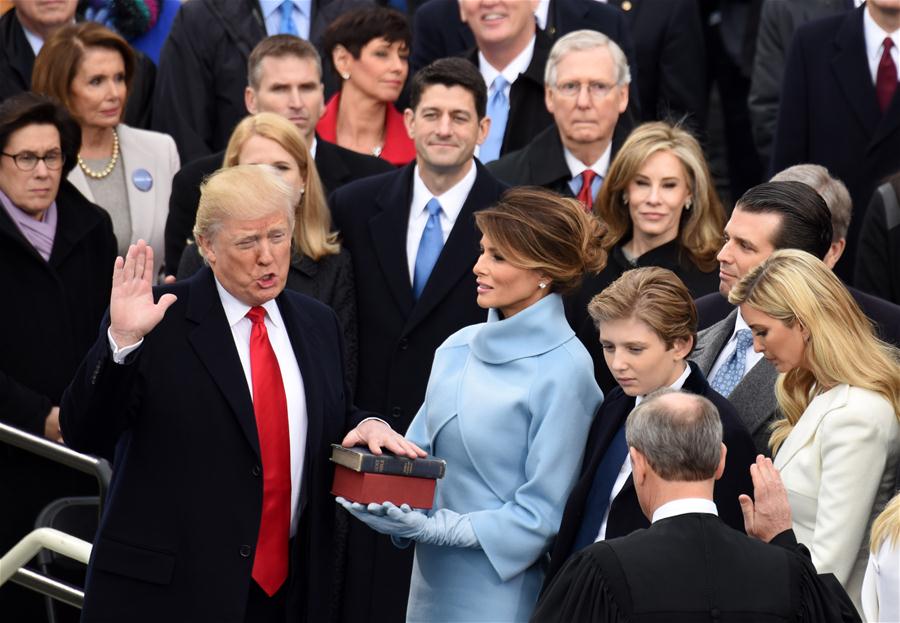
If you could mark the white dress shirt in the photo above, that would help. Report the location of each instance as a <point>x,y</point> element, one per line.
<point>541,12</point>
<point>451,201</point>
<point>625,471</point>
<point>874,37</point>
<point>753,357</point>
<point>236,315</point>
<point>684,506</point>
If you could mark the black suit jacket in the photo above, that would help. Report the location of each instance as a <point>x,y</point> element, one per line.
<point>17,63</point>
<point>671,59</point>
<point>543,163</point>
<point>829,115</point>
<point>886,315</point>
<point>179,528</point>
<point>202,75</point>
<point>397,339</point>
<point>625,515</point>
<point>336,166</point>
<point>528,114</point>
<point>689,568</point>
<point>439,32</point>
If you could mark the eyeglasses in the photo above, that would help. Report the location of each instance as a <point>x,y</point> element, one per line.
<point>27,160</point>
<point>597,90</point>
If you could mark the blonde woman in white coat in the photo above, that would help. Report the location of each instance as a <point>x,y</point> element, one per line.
<point>124,170</point>
<point>838,445</point>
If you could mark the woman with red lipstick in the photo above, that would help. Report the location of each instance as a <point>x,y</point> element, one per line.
<point>838,445</point>
<point>661,209</point>
<point>369,49</point>
<point>508,405</point>
<point>126,171</point>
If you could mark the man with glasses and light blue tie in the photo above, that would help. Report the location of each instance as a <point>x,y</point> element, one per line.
<point>587,79</point>
<point>199,93</point>
<point>413,240</point>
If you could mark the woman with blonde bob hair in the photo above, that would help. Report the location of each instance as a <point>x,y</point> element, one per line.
<point>839,390</point>
<point>319,267</point>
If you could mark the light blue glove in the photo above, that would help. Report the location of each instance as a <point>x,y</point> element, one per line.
<point>444,527</point>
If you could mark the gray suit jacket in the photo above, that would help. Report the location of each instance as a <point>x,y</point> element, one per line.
<point>754,396</point>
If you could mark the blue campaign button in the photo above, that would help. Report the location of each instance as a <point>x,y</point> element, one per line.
<point>142,179</point>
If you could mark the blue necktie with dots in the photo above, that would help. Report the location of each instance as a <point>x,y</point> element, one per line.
<point>730,374</point>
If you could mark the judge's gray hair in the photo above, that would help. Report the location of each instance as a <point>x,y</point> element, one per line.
<point>581,41</point>
<point>680,435</point>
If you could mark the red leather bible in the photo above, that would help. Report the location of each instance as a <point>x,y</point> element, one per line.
<point>368,487</point>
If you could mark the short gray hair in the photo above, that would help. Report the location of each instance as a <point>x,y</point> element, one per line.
<point>245,191</point>
<point>831,189</point>
<point>581,41</point>
<point>680,435</point>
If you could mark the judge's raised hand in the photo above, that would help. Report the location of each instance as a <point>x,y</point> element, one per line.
<point>768,514</point>
<point>132,311</point>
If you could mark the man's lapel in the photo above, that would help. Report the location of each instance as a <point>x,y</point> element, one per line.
<point>211,340</point>
<point>388,235</point>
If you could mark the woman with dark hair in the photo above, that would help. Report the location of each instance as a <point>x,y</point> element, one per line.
<point>56,255</point>
<point>369,48</point>
<point>126,171</point>
<point>508,405</point>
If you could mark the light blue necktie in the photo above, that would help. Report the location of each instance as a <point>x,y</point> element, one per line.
<point>498,111</point>
<point>731,373</point>
<point>287,27</point>
<point>429,247</point>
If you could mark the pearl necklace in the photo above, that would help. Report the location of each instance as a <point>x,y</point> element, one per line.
<point>109,167</point>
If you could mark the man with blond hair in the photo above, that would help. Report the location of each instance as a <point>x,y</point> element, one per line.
<point>218,396</point>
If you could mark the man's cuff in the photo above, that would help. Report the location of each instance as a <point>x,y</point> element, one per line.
<point>377,419</point>
<point>120,354</point>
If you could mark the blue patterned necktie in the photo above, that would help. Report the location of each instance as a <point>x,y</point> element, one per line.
<point>731,373</point>
<point>287,27</point>
<point>429,247</point>
<point>498,111</point>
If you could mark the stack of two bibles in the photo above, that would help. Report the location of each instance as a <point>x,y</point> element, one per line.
<point>360,476</point>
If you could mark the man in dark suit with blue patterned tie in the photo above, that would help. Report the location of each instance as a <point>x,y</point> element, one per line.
<point>413,239</point>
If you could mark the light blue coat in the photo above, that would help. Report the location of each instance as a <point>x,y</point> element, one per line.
<point>508,406</point>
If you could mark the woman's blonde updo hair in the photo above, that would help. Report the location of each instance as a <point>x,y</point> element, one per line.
<point>312,228</point>
<point>700,230</point>
<point>537,229</point>
<point>793,286</point>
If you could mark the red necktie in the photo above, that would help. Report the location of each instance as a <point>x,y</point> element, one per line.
<point>886,78</point>
<point>270,566</point>
<point>586,195</point>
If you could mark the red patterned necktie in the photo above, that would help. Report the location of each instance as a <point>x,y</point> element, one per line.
<point>270,566</point>
<point>886,78</point>
<point>586,195</point>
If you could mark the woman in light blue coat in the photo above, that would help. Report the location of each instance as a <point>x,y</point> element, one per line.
<point>508,406</point>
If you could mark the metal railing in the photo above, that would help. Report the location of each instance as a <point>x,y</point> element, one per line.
<point>12,563</point>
